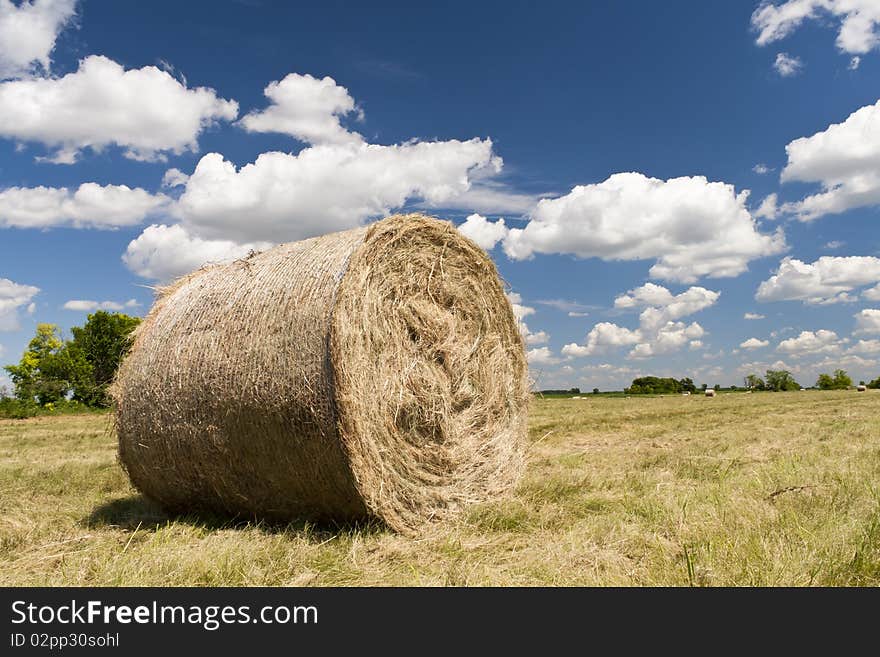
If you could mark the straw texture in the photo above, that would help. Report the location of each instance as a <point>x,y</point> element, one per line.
<point>373,373</point>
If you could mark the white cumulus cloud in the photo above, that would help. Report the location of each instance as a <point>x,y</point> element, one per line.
<point>858,21</point>
<point>754,343</point>
<point>753,316</point>
<point>658,332</point>
<point>758,367</point>
<point>163,253</point>
<point>28,31</point>
<point>670,337</point>
<point>287,197</point>
<point>602,336</point>
<point>830,279</point>
<point>865,347</point>
<point>690,226</point>
<point>866,366</point>
<point>541,337</point>
<point>810,343</point>
<point>872,293</point>
<point>844,159</point>
<point>144,111</point>
<point>84,305</point>
<point>174,178</point>
<point>662,306</point>
<point>482,231</point>
<point>323,188</point>
<point>769,208</point>
<point>867,321</point>
<point>306,108</point>
<point>520,312</point>
<point>787,65</point>
<point>12,297</point>
<point>311,109</point>
<point>89,206</point>
<point>541,356</point>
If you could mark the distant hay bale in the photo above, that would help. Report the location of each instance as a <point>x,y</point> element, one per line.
<point>861,388</point>
<point>372,373</point>
<point>710,392</point>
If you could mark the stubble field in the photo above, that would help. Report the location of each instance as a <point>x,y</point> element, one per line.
<point>743,489</point>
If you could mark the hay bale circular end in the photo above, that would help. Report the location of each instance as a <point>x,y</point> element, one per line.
<point>373,373</point>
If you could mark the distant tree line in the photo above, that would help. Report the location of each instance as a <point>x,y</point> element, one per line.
<point>54,371</point>
<point>653,385</point>
<point>777,380</point>
<point>773,380</point>
<point>570,391</point>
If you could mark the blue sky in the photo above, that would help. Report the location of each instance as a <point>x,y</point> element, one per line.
<point>633,151</point>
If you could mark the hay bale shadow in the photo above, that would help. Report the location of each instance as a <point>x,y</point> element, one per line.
<point>138,512</point>
<point>127,513</point>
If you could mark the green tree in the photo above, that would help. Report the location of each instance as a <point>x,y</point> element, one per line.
<point>35,376</point>
<point>842,380</point>
<point>838,381</point>
<point>101,343</point>
<point>51,369</point>
<point>780,380</point>
<point>874,384</point>
<point>652,385</point>
<point>754,382</point>
<point>825,382</point>
<point>687,385</point>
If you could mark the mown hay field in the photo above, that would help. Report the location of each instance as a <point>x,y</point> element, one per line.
<point>743,489</point>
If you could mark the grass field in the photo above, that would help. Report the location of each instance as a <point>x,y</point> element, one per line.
<point>762,489</point>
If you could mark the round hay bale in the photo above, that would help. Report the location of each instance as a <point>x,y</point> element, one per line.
<point>861,388</point>
<point>372,373</point>
<point>710,392</point>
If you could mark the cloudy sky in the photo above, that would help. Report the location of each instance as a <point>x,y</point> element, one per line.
<point>685,188</point>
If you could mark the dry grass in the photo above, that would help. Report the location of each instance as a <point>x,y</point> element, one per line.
<point>764,489</point>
